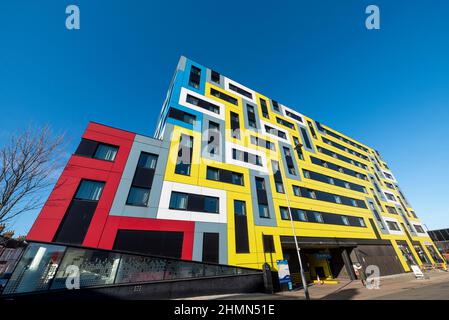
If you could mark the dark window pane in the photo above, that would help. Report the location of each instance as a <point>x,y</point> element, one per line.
<point>211,204</point>
<point>106,152</point>
<point>89,190</point>
<point>138,196</point>
<point>239,208</point>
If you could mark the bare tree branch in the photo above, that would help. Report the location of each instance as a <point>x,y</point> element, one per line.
<point>28,163</point>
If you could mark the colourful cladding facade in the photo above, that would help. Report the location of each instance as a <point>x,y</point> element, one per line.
<point>216,181</point>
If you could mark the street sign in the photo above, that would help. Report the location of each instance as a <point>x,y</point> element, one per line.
<point>417,271</point>
<point>284,273</point>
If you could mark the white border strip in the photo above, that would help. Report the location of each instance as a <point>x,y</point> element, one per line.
<point>397,222</point>
<point>262,128</point>
<point>183,102</point>
<point>228,81</point>
<point>229,159</point>
<point>170,214</point>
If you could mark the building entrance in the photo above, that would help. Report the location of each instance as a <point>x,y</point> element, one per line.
<point>319,263</point>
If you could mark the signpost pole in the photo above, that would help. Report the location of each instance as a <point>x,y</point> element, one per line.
<point>298,250</point>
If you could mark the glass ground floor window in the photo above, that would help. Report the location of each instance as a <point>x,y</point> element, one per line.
<point>434,254</point>
<point>46,267</point>
<point>407,254</point>
<point>36,268</point>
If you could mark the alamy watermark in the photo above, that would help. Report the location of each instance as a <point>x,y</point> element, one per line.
<point>72,22</point>
<point>372,22</point>
<point>73,279</point>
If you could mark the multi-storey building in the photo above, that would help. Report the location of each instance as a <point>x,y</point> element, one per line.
<point>218,181</point>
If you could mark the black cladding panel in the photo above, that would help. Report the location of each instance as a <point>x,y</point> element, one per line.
<point>75,224</point>
<point>241,234</point>
<point>86,148</point>
<point>159,243</point>
<point>143,177</point>
<point>211,247</point>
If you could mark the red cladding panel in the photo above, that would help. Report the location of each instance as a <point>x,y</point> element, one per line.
<point>51,215</point>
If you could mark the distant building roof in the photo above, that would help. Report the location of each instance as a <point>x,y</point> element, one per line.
<point>439,235</point>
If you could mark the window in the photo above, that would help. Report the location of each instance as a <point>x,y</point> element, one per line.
<point>223,96</point>
<point>239,208</point>
<point>262,143</point>
<point>246,157</point>
<point>181,116</point>
<point>89,190</point>
<point>178,201</point>
<point>285,123</point>
<point>203,104</point>
<point>263,211</point>
<point>194,78</point>
<point>237,178</point>
<point>105,152</point>
<point>138,196</point>
<point>311,129</point>
<point>215,76</point>
<point>279,187</point>
<point>251,116</point>
<point>318,217</point>
<point>389,176</point>
<point>279,133</point>
<point>147,160</point>
<point>184,155</point>
<point>139,192</point>
<point>211,204</point>
<point>297,191</point>
<point>240,91</point>
<point>337,199</point>
<point>260,184</point>
<point>268,244</point>
<point>391,210</point>
<point>263,106</point>
<point>345,220</point>
<point>311,193</point>
<point>299,215</point>
<point>361,222</point>
<point>298,147</point>
<point>289,161</point>
<point>199,203</point>
<point>293,116</point>
<point>275,105</point>
<point>235,125</point>
<point>393,226</point>
<point>419,229</point>
<point>214,133</point>
<point>390,196</point>
<point>284,213</point>
<point>212,174</point>
<point>305,138</point>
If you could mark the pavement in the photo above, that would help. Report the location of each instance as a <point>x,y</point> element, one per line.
<point>398,287</point>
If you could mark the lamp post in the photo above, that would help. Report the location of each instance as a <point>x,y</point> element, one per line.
<point>298,250</point>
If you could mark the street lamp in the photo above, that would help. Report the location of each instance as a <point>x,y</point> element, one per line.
<point>298,250</point>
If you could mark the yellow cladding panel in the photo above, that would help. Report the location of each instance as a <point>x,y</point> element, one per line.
<point>257,257</point>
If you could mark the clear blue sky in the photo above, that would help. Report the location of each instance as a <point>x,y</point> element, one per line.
<point>387,88</point>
